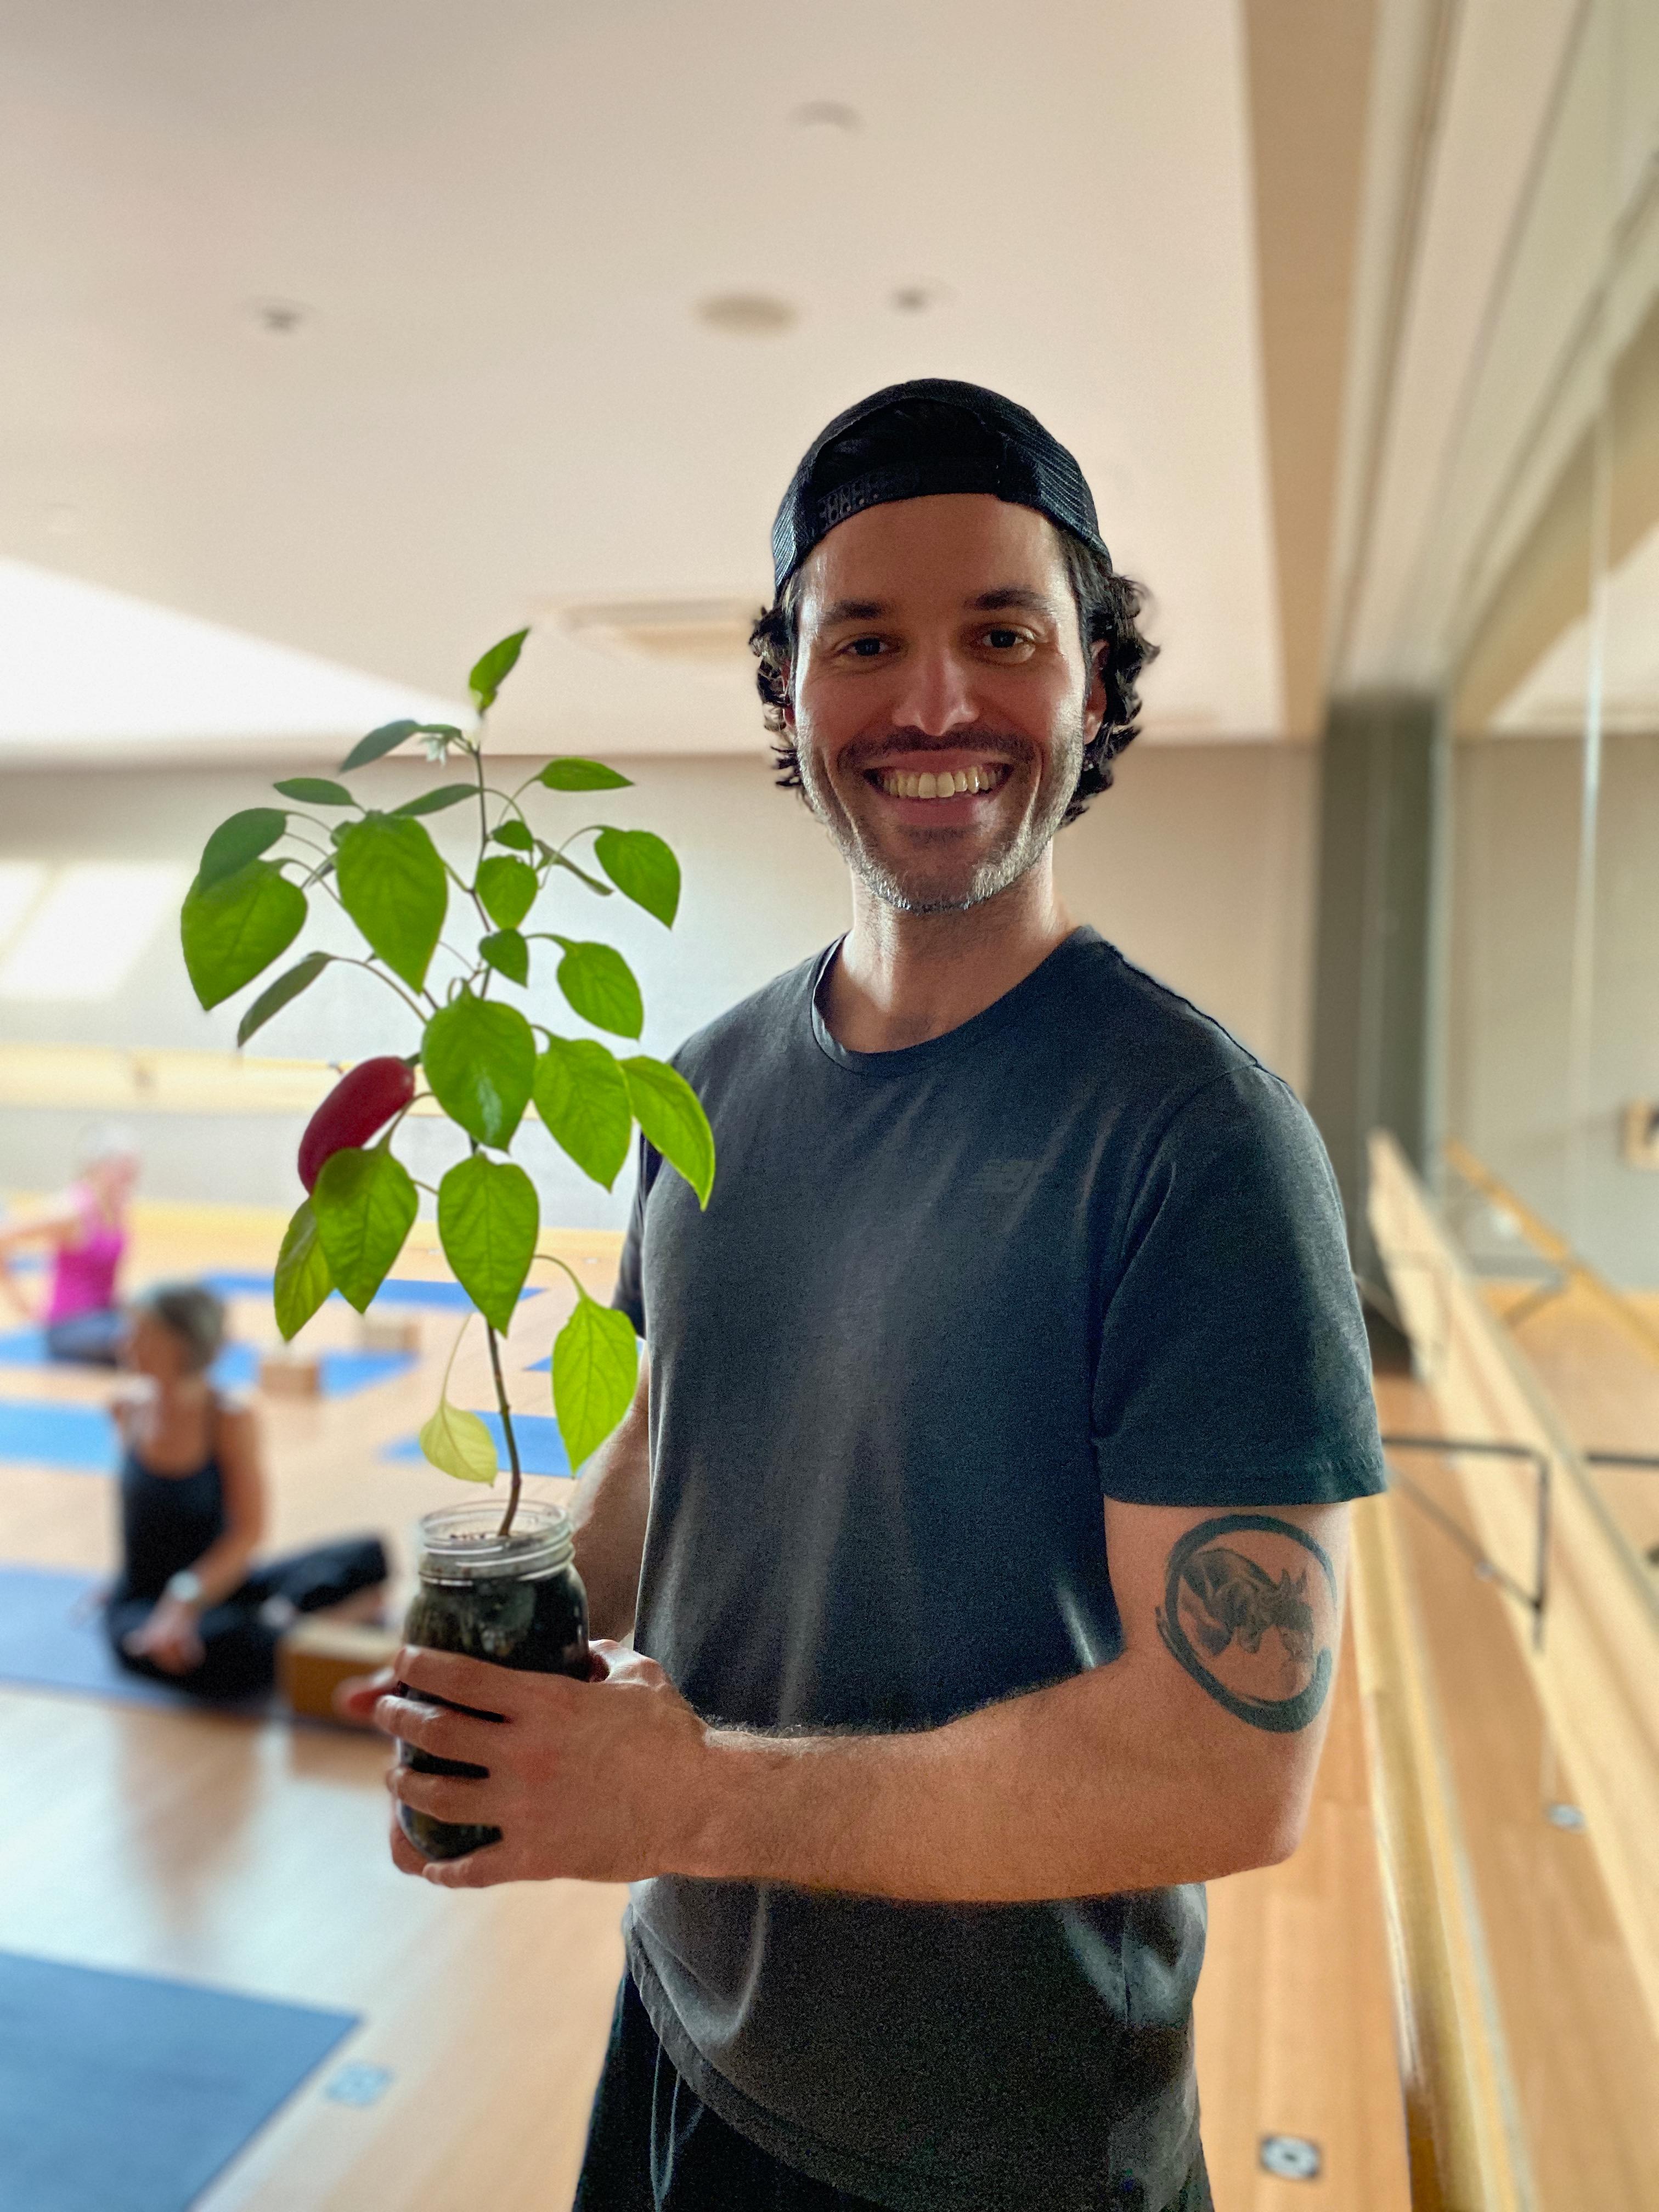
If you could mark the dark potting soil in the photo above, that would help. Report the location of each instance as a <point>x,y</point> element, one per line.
<point>537,1627</point>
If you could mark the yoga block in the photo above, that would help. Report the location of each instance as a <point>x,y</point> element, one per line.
<point>291,1375</point>
<point>315,1656</point>
<point>380,1333</point>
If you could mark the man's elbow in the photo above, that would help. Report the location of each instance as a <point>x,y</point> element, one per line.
<point>1271,1832</point>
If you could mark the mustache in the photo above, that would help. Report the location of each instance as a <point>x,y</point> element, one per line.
<point>996,744</point>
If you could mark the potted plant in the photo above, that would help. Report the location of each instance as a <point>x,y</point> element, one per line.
<point>484,1061</point>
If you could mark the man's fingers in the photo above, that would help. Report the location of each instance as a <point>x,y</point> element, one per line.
<point>404,1856</point>
<point>478,1870</point>
<point>446,1797</point>
<point>430,1727</point>
<point>459,1681</point>
<point>354,1700</point>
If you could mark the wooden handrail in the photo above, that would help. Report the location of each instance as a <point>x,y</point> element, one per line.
<point>1458,2134</point>
<point>1597,1666</point>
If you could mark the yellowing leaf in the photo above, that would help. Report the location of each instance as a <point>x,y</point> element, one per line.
<point>458,1443</point>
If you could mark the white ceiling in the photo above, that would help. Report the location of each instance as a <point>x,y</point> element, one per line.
<point>500,219</point>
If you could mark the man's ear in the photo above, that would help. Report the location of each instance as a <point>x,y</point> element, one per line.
<point>1094,702</point>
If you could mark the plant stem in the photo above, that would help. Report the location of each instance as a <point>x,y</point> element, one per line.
<point>506,1528</point>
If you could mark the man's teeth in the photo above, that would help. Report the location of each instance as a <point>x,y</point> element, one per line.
<point>900,783</point>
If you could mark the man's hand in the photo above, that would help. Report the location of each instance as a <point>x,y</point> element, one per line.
<point>169,1638</point>
<point>596,1781</point>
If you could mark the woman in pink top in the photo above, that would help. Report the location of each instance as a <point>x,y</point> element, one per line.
<point>86,1228</point>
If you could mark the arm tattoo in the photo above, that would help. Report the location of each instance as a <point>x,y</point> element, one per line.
<point>1269,1632</point>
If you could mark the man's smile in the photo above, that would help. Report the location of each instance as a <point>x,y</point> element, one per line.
<point>947,779</point>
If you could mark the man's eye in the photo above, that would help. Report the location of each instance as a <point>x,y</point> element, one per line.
<point>865,648</point>
<point>1003,640</point>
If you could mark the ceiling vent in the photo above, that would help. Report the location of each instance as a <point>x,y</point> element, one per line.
<point>697,633</point>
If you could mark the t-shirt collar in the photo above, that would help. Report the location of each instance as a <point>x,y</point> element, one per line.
<point>912,1059</point>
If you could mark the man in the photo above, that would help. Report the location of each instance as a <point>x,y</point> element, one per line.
<point>980,1519</point>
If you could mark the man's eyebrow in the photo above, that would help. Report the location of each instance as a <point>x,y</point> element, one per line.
<point>841,611</point>
<point>1013,595</point>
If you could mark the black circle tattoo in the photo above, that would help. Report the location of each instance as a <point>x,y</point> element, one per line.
<point>1243,1599</point>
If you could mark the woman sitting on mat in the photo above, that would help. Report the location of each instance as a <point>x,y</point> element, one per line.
<point>87,1228</point>
<point>189,1608</point>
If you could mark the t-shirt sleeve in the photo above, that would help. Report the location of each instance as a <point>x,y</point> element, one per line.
<point>1233,1366</point>
<point>628,1297</point>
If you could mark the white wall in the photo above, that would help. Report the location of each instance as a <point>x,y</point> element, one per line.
<point>1198,863</point>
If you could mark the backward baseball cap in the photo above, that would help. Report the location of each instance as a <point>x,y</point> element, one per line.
<point>913,441</point>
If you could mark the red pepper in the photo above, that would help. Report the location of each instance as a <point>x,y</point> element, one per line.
<point>360,1105</point>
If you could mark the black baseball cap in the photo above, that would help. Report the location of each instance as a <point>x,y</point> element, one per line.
<point>911,441</point>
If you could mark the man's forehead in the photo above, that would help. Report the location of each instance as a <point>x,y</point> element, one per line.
<point>964,549</point>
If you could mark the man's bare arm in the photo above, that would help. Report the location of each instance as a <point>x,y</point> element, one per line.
<point>1191,1755</point>
<point>611,1506</point>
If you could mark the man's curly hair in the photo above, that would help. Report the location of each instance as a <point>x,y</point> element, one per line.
<point>1109,609</point>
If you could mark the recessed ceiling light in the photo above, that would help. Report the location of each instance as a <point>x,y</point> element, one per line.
<point>826,115</point>
<point>278,319</point>
<point>916,298</point>
<point>747,315</point>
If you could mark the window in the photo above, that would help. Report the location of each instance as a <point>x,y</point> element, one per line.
<point>79,932</point>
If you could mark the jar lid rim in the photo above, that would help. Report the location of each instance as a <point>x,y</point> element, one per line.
<point>465,1540</point>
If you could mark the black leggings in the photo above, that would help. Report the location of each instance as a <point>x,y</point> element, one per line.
<point>239,1654</point>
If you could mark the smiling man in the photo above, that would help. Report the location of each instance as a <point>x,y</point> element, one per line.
<point>980,1520</point>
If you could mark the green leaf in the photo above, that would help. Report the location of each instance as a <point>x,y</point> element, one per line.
<point>491,669</point>
<point>303,1278</point>
<point>275,996</point>
<point>239,841</point>
<point>366,1206</point>
<point>232,930</point>
<point>642,868</point>
<point>508,888</point>
<point>507,953</point>
<point>595,1367</point>
<point>383,740</point>
<point>514,832</point>
<point>314,791</point>
<point>390,735</point>
<point>480,1060</point>
<point>487,1218</point>
<point>457,1444</point>
<point>434,802</point>
<point>670,1113</point>
<point>572,774</point>
<point>557,860</point>
<point>582,1095</point>
<point>600,985</point>
<point>394,886</point>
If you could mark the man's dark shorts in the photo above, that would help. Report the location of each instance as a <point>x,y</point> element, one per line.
<point>654,2146</point>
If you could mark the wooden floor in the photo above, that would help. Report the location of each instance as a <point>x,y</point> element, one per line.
<point>1581,2054</point>
<point>249,1856</point>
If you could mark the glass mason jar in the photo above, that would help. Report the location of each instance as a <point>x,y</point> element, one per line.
<point>516,1601</point>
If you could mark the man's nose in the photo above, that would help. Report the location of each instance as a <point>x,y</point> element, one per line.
<point>937,694</point>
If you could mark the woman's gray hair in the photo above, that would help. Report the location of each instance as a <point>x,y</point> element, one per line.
<point>195,1314</point>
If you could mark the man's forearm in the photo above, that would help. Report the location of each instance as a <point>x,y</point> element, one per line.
<point>1079,1789</point>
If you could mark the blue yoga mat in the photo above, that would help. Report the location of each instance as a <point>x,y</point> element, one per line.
<point>80,1438</point>
<point>396,1291</point>
<point>120,2092</point>
<point>541,1448</point>
<point>344,1373</point>
<point>51,1638</point>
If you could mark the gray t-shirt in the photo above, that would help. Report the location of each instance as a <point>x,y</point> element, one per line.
<point>944,1300</point>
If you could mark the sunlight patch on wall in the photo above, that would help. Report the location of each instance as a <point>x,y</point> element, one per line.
<point>80,934</point>
<point>82,668</point>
